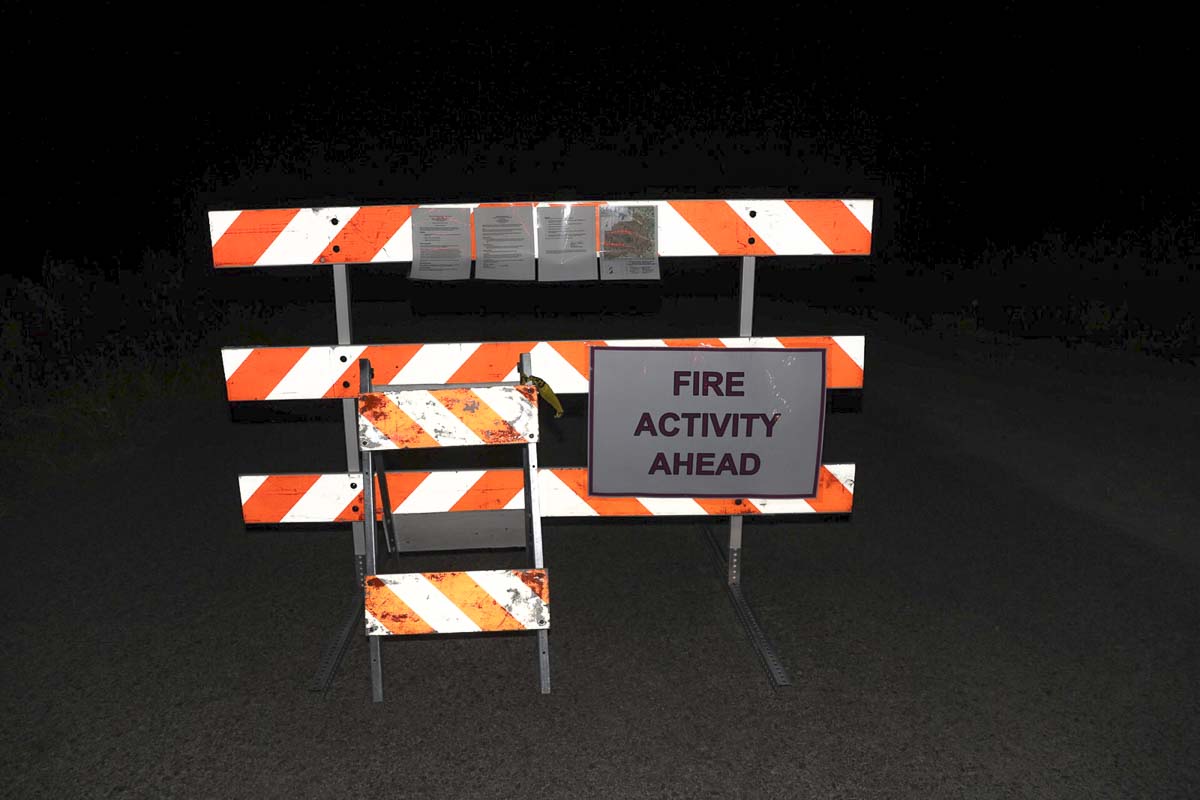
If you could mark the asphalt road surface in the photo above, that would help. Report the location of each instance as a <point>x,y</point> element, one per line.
<point>1012,610</point>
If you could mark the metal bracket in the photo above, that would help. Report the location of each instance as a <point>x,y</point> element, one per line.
<point>336,646</point>
<point>727,567</point>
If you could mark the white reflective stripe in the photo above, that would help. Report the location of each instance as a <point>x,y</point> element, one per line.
<point>309,232</point>
<point>854,347</point>
<point>844,473</point>
<point>672,506</point>
<point>781,505</point>
<point>550,366</point>
<point>323,501</point>
<point>517,503</point>
<point>512,407</point>
<point>676,237</point>
<point>433,363</point>
<point>219,222</point>
<point>371,438</point>
<point>399,247</point>
<point>233,357</point>
<point>753,341</point>
<point>862,210</point>
<point>439,491</point>
<point>375,627</point>
<point>637,343</point>
<point>560,500</point>
<point>515,596</point>
<point>313,374</point>
<point>351,352</point>
<point>779,227</point>
<point>437,421</point>
<point>249,484</point>
<point>438,612</point>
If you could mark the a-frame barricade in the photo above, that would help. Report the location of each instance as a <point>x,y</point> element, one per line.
<point>465,601</point>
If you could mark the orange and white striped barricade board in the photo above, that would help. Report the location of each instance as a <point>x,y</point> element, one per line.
<point>326,372</point>
<point>405,417</point>
<point>383,233</point>
<point>431,495</point>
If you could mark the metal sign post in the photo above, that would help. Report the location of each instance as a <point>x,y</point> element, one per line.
<point>335,648</point>
<point>758,638</point>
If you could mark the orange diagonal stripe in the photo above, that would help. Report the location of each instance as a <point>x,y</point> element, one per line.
<point>261,372</point>
<point>725,506</point>
<point>538,581</point>
<point>277,495</point>
<point>578,354</point>
<point>491,362</point>
<point>386,360</point>
<point>832,496</point>
<point>604,506</point>
<point>400,486</point>
<point>392,612</point>
<point>378,410</point>
<point>834,225</point>
<point>470,598</point>
<point>840,370</point>
<point>365,234</point>
<point>482,419</point>
<point>353,512</point>
<point>494,489</point>
<point>244,242</point>
<point>721,227</point>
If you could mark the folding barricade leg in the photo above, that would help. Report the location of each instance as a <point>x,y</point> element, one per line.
<point>474,601</point>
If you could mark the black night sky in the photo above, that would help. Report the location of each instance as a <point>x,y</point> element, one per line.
<point>992,132</point>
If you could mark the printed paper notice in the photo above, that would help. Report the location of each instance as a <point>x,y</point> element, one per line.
<point>628,242</point>
<point>441,244</point>
<point>566,243</point>
<point>504,243</point>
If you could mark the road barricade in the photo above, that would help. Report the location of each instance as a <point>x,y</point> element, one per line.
<point>415,395</point>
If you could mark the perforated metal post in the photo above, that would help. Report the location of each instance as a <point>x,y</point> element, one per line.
<point>758,638</point>
<point>745,325</point>
<point>533,529</point>
<point>368,473</point>
<point>341,305</point>
<point>335,648</point>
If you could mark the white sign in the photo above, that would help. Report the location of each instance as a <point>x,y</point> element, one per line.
<point>441,244</point>
<point>504,243</point>
<point>566,239</point>
<point>629,242</point>
<point>705,421</point>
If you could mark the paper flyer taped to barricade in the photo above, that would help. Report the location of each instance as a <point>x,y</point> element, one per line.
<point>629,242</point>
<point>504,243</point>
<point>441,244</point>
<point>566,238</point>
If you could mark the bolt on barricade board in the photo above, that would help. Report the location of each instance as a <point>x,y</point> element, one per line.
<point>426,510</point>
